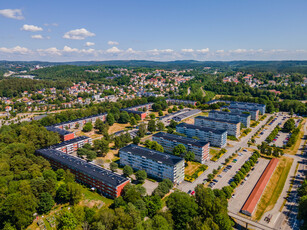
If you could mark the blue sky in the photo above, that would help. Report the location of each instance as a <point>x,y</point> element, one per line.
<point>71,30</point>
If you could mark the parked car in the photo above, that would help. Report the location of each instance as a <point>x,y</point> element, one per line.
<point>215,180</point>
<point>192,193</point>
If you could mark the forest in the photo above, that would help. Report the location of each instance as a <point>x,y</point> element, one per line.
<point>14,87</point>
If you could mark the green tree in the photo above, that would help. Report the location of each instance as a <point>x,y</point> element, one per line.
<point>152,116</point>
<point>110,119</point>
<point>189,156</point>
<point>124,117</point>
<point>142,130</point>
<point>160,113</point>
<point>102,146</point>
<point>160,126</point>
<point>289,125</point>
<point>169,110</point>
<point>141,176</point>
<point>67,221</point>
<point>182,207</point>
<point>133,121</point>
<point>152,126</point>
<point>87,127</point>
<point>46,202</point>
<point>136,140</point>
<point>179,150</point>
<point>127,170</point>
<point>113,166</point>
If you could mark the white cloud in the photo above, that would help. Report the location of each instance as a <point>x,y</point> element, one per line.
<point>238,51</point>
<point>12,13</point>
<point>113,43</point>
<point>70,50</point>
<point>187,50</point>
<point>16,49</point>
<point>78,34</point>
<point>89,44</point>
<point>49,51</point>
<point>113,50</point>
<point>220,51</point>
<point>206,50</point>
<point>31,28</point>
<point>37,36</point>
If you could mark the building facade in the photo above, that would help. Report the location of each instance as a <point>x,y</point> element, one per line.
<point>179,102</point>
<point>105,181</point>
<point>170,141</point>
<point>64,134</point>
<point>215,137</point>
<point>245,119</point>
<point>253,112</point>
<point>156,164</point>
<point>232,127</point>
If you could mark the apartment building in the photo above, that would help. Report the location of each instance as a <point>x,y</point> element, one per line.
<point>81,121</point>
<point>105,181</point>
<point>139,109</point>
<point>245,119</point>
<point>71,146</point>
<point>232,127</point>
<point>64,134</point>
<point>216,137</point>
<point>247,105</point>
<point>178,102</point>
<point>156,164</point>
<point>253,112</point>
<point>170,141</point>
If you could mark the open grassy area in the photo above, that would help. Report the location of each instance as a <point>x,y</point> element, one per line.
<point>293,149</point>
<point>213,151</point>
<point>118,127</point>
<point>191,168</point>
<point>191,119</point>
<point>274,187</point>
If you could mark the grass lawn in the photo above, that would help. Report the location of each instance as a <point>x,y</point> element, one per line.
<point>94,196</point>
<point>191,168</point>
<point>118,127</point>
<point>213,151</point>
<point>293,149</point>
<point>274,187</point>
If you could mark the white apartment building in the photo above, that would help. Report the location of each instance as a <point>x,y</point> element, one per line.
<point>245,119</point>
<point>232,127</point>
<point>156,164</point>
<point>214,136</point>
<point>170,141</point>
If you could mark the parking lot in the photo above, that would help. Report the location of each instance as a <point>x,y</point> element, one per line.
<point>243,190</point>
<point>269,128</point>
<point>226,175</point>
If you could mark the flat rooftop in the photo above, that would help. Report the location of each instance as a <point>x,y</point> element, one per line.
<point>79,119</point>
<point>218,120</point>
<point>230,113</point>
<point>240,108</point>
<point>80,165</point>
<point>69,142</point>
<point>181,139</point>
<point>152,154</point>
<point>62,132</point>
<point>189,126</point>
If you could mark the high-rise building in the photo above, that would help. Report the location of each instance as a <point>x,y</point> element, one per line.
<point>239,117</point>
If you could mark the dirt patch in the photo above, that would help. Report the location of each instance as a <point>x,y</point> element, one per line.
<point>118,127</point>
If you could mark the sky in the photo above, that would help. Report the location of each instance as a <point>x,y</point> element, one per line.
<point>160,30</point>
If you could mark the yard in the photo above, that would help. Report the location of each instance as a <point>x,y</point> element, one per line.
<point>274,187</point>
<point>191,167</point>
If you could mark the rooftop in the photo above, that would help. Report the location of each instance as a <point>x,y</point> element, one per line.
<point>230,113</point>
<point>177,138</point>
<point>188,126</point>
<point>152,154</point>
<point>62,132</point>
<point>69,142</point>
<point>80,119</point>
<point>80,165</point>
<point>216,119</point>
